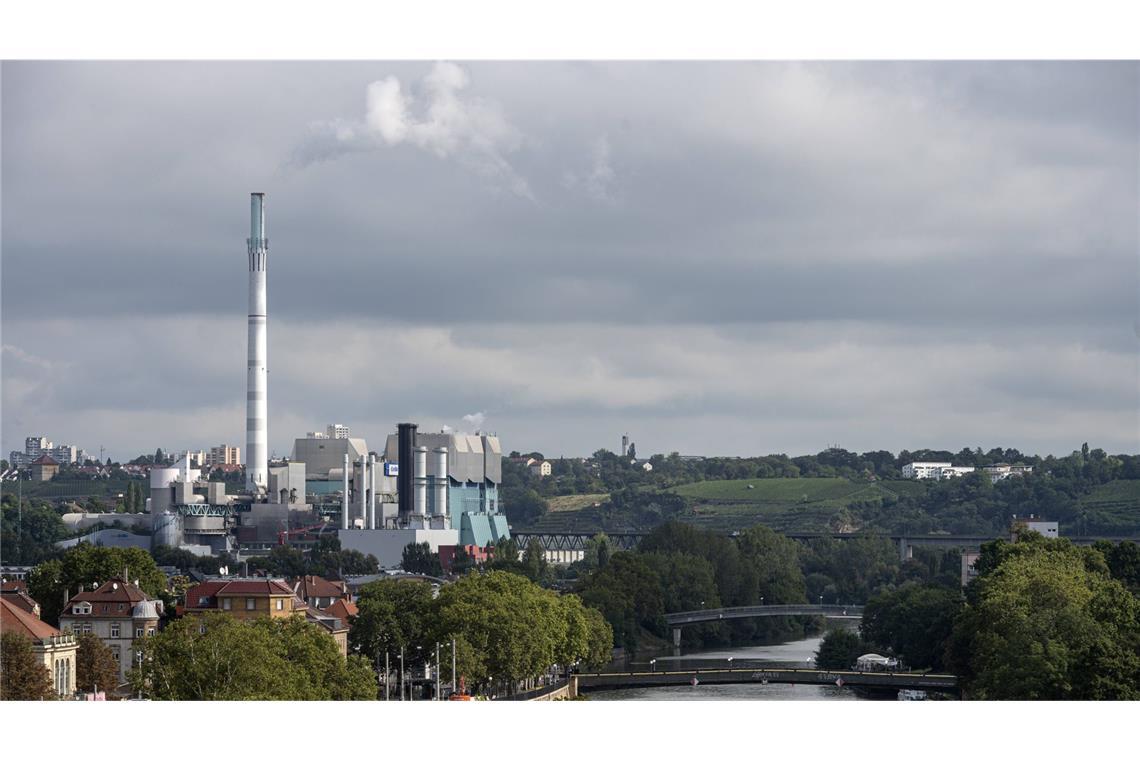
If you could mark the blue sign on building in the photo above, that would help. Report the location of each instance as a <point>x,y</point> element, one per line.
<point>391,469</point>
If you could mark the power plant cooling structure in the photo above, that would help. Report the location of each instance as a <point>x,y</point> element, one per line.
<point>257,405</point>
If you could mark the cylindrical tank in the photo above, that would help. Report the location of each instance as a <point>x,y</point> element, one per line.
<point>162,477</point>
<point>362,494</point>
<point>168,529</point>
<point>406,474</point>
<point>421,480</point>
<point>203,524</point>
<point>440,480</point>
<point>372,491</point>
<point>344,499</point>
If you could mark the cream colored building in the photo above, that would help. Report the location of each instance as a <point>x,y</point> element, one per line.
<point>118,613</point>
<point>55,649</point>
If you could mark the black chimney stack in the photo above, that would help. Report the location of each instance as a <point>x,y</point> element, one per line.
<point>405,476</point>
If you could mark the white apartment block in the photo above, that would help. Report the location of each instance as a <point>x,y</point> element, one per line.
<point>336,430</point>
<point>924,470</point>
<point>945,470</point>
<point>37,446</point>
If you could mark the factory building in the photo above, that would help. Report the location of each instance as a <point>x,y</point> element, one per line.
<point>447,491</point>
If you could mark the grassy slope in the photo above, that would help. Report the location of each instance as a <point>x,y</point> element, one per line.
<point>1114,506</point>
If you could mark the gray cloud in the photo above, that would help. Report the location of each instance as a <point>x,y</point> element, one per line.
<point>729,258</point>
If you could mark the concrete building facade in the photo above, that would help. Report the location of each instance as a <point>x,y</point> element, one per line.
<point>119,613</point>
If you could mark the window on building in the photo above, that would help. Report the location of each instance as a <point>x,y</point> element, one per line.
<point>280,604</point>
<point>150,631</point>
<point>138,633</point>
<point>87,628</point>
<point>226,603</point>
<point>251,604</point>
<point>120,607</point>
<point>115,628</point>
<point>115,652</point>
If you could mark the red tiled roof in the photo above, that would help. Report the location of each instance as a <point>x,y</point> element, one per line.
<point>314,585</point>
<point>113,590</point>
<point>206,591</point>
<point>45,459</point>
<point>342,609</point>
<point>255,588</point>
<point>12,618</point>
<point>10,586</point>
<point>21,599</point>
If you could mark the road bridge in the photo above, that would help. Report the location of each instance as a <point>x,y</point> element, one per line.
<point>940,682</point>
<point>677,620</point>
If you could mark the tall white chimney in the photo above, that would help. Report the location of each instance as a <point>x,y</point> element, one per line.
<point>257,405</point>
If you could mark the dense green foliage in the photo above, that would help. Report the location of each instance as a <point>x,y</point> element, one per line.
<point>1047,623</point>
<point>325,559</point>
<point>1089,492</point>
<point>678,567</point>
<point>91,566</point>
<point>506,629</point>
<point>914,623</point>
<point>95,666</point>
<point>839,650</point>
<point>214,656</point>
<point>22,675</point>
<point>28,535</point>
<point>419,558</point>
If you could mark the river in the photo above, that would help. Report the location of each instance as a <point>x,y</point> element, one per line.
<point>790,654</point>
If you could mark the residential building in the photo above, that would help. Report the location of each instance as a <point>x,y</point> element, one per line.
<point>969,569</point>
<point>955,472</point>
<point>54,648</point>
<point>118,612</point>
<point>319,592</point>
<point>539,468</point>
<point>44,468</point>
<point>247,599</point>
<point>1002,470</point>
<point>244,599</point>
<point>344,610</point>
<point>336,430</point>
<point>16,592</point>
<point>1035,523</point>
<point>924,470</point>
<point>222,454</point>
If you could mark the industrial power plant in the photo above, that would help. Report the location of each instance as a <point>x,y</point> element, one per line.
<point>436,488</point>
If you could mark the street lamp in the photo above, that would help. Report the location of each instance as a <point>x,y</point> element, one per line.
<point>653,665</point>
<point>730,663</point>
<point>821,600</point>
<point>401,672</point>
<point>761,601</point>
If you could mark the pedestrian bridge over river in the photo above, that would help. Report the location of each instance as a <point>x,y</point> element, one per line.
<point>677,620</point>
<point>870,680</point>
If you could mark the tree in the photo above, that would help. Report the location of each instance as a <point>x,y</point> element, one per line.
<point>28,535</point>
<point>159,457</point>
<point>597,552</point>
<point>90,566</point>
<point>392,614</point>
<point>22,675</point>
<point>1042,625</point>
<point>214,656</point>
<point>419,558</point>
<point>534,562</point>
<point>95,666</point>
<point>914,623</point>
<point>628,594</point>
<point>839,650</point>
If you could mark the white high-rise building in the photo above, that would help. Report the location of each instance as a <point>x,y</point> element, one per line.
<point>336,430</point>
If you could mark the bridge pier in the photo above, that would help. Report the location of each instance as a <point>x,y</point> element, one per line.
<point>906,551</point>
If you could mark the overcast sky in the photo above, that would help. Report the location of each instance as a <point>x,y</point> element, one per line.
<point>714,258</point>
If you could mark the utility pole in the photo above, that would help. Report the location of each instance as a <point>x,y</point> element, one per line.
<point>401,672</point>
<point>437,671</point>
<point>387,673</point>
<point>453,666</point>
